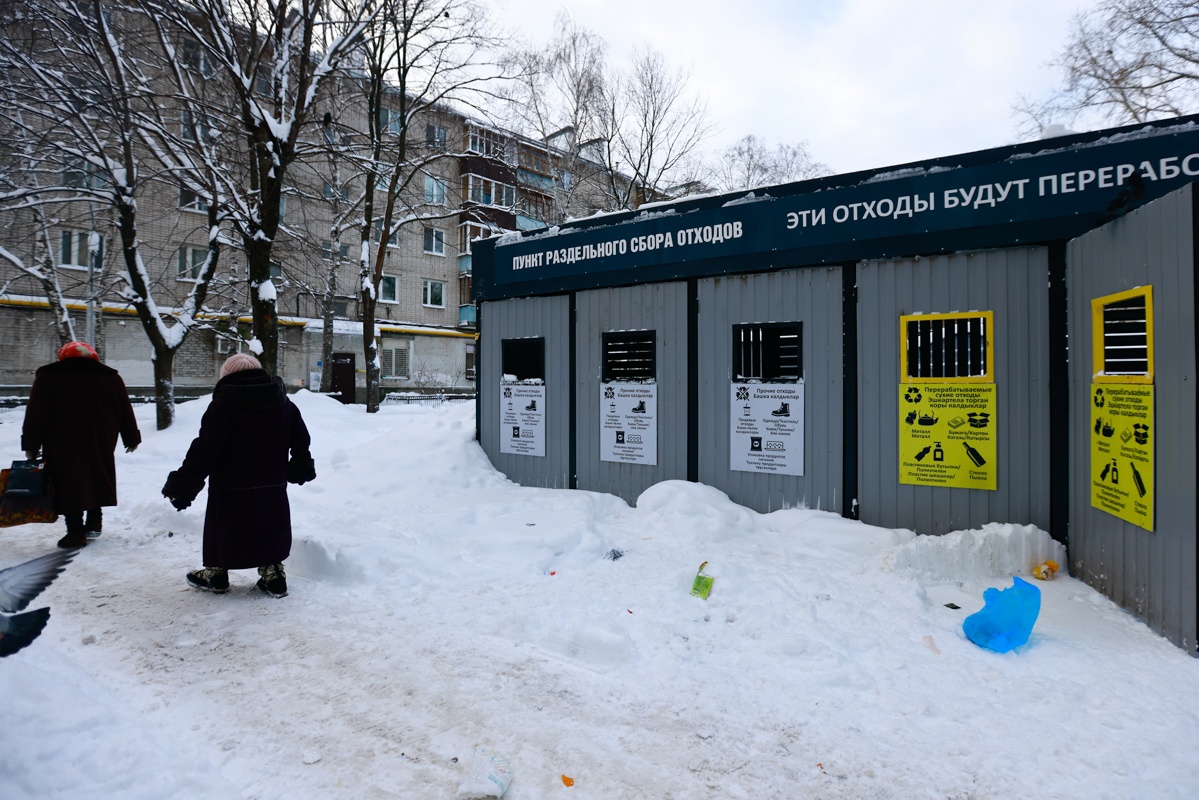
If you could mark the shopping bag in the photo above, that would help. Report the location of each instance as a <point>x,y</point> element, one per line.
<point>26,479</point>
<point>18,510</point>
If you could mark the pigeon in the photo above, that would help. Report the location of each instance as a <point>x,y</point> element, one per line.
<point>18,586</point>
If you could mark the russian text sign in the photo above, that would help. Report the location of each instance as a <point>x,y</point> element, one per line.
<point>766,428</point>
<point>522,419</point>
<point>1122,451</point>
<point>629,423</point>
<point>947,434</point>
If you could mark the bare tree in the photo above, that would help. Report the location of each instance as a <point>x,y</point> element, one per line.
<point>81,97</point>
<point>651,126</point>
<point>749,163</point>
<point>558,94</point>
<point>1125,61</point>
<point>424,54</point>
<point>270,59</point>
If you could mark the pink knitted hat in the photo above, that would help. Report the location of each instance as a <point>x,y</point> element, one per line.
<point>239,361</point>
<point>77,350</point>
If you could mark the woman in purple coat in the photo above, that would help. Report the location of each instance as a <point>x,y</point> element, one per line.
<point>77,408</point>
<point>245,438</point>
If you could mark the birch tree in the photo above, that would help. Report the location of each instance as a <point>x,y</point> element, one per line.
<point>750,163</point>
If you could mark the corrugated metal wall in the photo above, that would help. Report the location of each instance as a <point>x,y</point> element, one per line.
<point>661,307</point>
<point>1013,284</point>
<point>809,296</point>
<point>547,317</point>
<point>1152,574</point>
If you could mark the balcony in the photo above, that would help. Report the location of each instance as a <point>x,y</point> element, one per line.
<point>464,264</point>
<point>466,316</point>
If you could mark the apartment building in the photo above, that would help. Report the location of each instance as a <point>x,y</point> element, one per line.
<point>473,180</point>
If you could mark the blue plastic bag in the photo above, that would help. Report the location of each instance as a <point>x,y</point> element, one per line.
<point>1007,616</point>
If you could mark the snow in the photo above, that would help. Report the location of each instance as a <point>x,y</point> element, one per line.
<point>436,606</point>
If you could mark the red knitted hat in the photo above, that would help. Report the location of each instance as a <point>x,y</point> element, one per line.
<point>77,350</point>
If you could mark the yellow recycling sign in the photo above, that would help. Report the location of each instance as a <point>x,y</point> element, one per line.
<point>1122,451</point>
<point>947,434</point>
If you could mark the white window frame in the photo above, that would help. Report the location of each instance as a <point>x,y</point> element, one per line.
<point>435,190</point>
<point>193,56</point>
<point>437,237</point>
<point>395,288</point>
<point>327,250</point>
<point>426,293</point>
<point>393,240</point>
<point>193,128</point>
<point>469,232</point>
<point>190,201</point>
<point>185,271</point>
<point>78,248</point>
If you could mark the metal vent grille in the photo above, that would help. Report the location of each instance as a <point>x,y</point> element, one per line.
<point>629,356</point>
<point>947,347</point>
<point>1126,337</point>
<point>771,352</point>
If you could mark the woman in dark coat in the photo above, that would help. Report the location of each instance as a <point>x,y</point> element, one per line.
<point>245,438</point>
<point>77,408</point>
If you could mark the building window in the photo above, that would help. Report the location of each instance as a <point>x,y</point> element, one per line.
<point>343,251</point>
<point>73,249</point>
<point>470,362</point>
<point>275,270</point>
<point>434,190</point>
<point>194,57</point>
<point>435,241</point>
<point>190,201</point>
<point>468,233</point>
<point>435,137</point>
<point>487,192</point>
<point>629,356</point>
<point>191,262</point>
<point>390,121</point>
<point>522,359</point>
<point>79,173</point>
<point>393,358</point>
<point>195,127</point>
<point>329,192</point>
<point>939,346</point>
<point>392,241</point>
<point>341,308</point>
<point>389,289</point>
<point>485,142</point>
<point>1122,332</point>
<point>432,293</point>
<point>771,352</point>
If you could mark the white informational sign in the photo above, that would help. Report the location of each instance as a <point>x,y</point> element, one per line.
<point>314,381</point>
<point>522,419</point>
<point>766,428</point>
<point>629,423</point>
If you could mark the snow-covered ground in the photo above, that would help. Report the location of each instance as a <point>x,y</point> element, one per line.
<point>435,606</point>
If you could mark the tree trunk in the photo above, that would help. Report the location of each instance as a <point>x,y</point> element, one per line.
<point>370,351</point>
<point>164,385</point>
<point>327,319</point>
<point>262,311</point>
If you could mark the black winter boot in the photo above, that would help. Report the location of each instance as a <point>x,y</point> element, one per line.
<point>210,579</point>
<point>273,581</point>
<point>76,537</point>
<point>94,523</point>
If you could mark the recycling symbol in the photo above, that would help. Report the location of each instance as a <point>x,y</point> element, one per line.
<point>912,395</point>
<point>1099,398</point>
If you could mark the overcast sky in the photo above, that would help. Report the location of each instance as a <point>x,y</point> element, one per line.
<point>866,83</point>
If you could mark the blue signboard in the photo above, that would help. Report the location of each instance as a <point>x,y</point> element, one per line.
<point>1028,194</point>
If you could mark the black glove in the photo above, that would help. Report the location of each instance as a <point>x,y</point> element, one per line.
<point>301,469</point>
<point>181,490</point>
